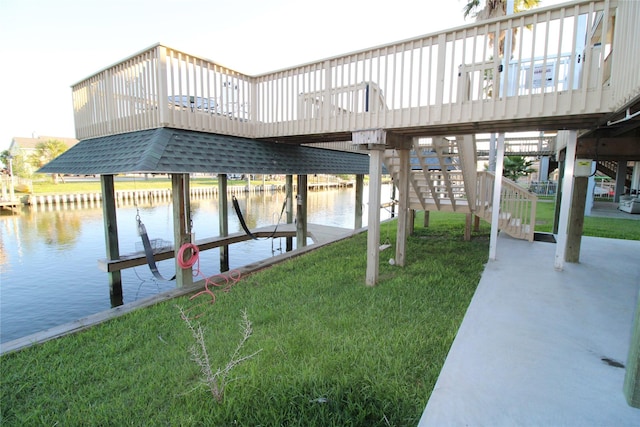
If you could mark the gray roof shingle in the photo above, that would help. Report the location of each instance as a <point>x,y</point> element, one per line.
<point>167,150</point>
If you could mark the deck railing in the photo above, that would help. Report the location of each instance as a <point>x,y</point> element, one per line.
<point>520,146</point>
<point>517,211</point>
<point>562,64</point>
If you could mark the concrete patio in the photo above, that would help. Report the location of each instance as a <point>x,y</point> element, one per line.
<point>540,347</point>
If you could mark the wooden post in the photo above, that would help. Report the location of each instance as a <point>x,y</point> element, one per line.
<point>181,225</point>
<point>111,237</point>
<point>301,212</point>
<point>632,374</point>
<point>373,234</point>
<point>425,221</point>
<point>289,195</point>
<point>476,223</point>
<point>359,200</point>
<point>467,227</point>
<point>412,219</point>
<point>403,208</point>
<point>495,204</point>
<point>393,198</point>
<point>223,220</point>
<point>576,219</point>
<point>556,211</point>
<point>567,191</point>
<point>621,178</point>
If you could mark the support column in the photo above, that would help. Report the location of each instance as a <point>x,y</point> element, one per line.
<point>301,212</point>
<point>223,220</point>
<point>467,227</point>
<point>543,173</point>
<point>495,204</point>
<point>425,220</point>
<point>393,199</point>
<point>412,220</point>
<point>567,196</point>
<point>181,225</point>
<point>289,195</point>
<point>373,232</point>
<point>359,201</point>
<point>576,219</point>
<point>111,237</point>
<point>556,212</point>
<point>621,177</point>
<point>632,374</point>
<point>403,207</point>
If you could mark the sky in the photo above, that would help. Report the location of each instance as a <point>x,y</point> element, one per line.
<point>48,45</point>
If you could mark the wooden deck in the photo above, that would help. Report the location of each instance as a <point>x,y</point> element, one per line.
<point>10,204</point>
<point>445,83</point>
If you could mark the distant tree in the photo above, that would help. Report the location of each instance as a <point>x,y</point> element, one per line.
<point>47,151</point>
<point>516,167</point>
<point>19,166</point>
<point>4,158</point>
<point>482,10</point>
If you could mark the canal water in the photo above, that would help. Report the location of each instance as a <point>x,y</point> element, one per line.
<point>49,255</point>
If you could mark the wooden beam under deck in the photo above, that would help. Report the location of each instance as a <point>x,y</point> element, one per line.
<point>608,148</point>
<point>318,233</point>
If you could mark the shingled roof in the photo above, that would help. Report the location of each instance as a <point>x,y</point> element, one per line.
<point>167,150</point>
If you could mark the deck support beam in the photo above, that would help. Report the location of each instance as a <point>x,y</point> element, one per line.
<point>631,386</point>
<point>495,204</point>
<point>288,189</point>
<point>359,201</point>
<point>301,212</point>
<point>467,227</point>
<point>223,220</point>
<point>621,177</point>
<point>567,196</point>
<point>403,207</point>
<point>373,232</point>
<point>181,225</point>
<point>111,237</point>
<point>576,219</point>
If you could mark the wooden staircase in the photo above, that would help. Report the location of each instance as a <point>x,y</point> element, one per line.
<point>444,177</point>
<point>610,167</point>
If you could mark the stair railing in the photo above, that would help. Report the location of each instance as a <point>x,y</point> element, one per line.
<point>517,206</point>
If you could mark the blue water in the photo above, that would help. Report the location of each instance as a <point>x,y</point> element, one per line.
<point>48,256</point>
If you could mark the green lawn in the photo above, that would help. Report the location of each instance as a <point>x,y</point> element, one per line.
<point>334,352</point>
<point>48,187</point>
<point>628,229</point>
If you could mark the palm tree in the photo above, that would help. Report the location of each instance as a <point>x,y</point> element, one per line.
<point>517,166</point>
<point>496,9</point>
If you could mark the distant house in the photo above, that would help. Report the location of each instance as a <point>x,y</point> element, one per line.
<point>27,146</point>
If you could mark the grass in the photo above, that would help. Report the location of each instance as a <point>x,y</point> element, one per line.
<point>333,351</point>
<point>627,229</point>
<point>48,187</point>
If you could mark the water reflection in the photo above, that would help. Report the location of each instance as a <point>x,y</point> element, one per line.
<point>48,254</point>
